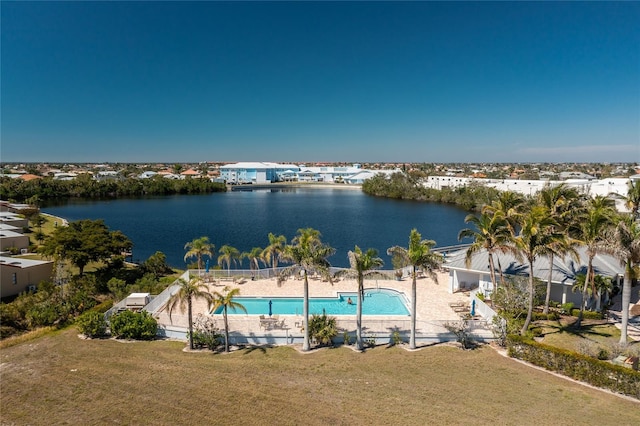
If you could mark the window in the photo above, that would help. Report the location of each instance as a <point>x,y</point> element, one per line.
<point>14,278</point>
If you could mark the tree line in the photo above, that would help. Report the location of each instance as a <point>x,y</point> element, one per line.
<point>85,186</point>
<point>406,186</point>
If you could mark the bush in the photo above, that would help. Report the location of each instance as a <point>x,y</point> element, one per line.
<point>580,367</point>
<point>133,325</point>
<point>205,333</point>
<point>553,316</point>
<point>593,315</point>
<point>322,329</point>
<point>567,308</point>
<point>103,307</point>
<point>92,324</point>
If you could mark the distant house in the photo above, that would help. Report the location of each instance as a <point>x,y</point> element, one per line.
<point>107,175</point>
<point>19,275</point>
<point>147,174</point>
<point>191,173</point>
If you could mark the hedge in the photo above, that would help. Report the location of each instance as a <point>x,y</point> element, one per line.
<point>598,373</point>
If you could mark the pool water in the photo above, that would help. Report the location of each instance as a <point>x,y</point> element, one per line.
<point>376,302</point>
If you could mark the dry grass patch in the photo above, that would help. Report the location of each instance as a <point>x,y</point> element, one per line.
<point>62,379</point>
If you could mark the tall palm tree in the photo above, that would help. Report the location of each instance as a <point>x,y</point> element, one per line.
<point>591,230</point>
<point>491,234</point>
<point>225,300</point>
<point>228,255</point>
<point>418,255</point>
<point>255,257</point>
<point>561,202</point>
<point>625,245</point>
<point>198,248</point>
<point>632,200</point>
<point>273,252</point>
<point>535,238</point>
<point>187,292</point>
<point>308,254</point>
<point>362,264</point>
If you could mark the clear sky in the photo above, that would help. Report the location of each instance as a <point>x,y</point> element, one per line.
<point>332,81</point>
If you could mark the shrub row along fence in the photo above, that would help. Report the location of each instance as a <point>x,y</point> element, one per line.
<point>598,373</point>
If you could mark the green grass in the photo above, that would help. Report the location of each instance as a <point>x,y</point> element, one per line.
<point>61,379</point>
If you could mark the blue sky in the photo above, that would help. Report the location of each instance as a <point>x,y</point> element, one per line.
<point>333,81</point>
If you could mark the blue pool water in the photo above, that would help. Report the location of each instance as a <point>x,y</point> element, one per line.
<point>376,302</point>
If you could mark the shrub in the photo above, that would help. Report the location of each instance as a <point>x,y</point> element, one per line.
<point>205,333</point>
<point>396,338</point>
<point>103,307</point>
<point>553,316</point>
<point>567,308</point>
<point>133,325</point>
<point>92,324</point>
<point>580,367</point>
<point>322,329</point>
<point>463,335</point>
<point>346,338</point>
<point>593,315</point>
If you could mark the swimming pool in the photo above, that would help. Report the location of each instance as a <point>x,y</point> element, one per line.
<point>376,302</point>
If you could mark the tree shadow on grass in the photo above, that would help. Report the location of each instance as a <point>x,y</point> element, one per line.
<point>586,331</point>
<point>253,348</point>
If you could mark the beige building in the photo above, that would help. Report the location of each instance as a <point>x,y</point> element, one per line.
<point>11,239</point>
<point>18,275</point>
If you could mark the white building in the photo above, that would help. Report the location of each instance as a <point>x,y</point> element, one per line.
<point>531,187</point>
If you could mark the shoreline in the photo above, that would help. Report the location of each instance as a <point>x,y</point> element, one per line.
<point>321,185</point>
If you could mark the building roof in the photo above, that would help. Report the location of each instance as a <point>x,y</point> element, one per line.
<point>17,262</point>
<point>564,269</point>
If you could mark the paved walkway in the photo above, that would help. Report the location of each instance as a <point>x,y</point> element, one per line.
<point>615,312</point>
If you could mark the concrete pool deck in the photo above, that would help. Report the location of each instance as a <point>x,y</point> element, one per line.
<point>432,309</point>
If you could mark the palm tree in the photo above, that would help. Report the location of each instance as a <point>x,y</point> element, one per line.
<point>362,264</point>
<point>228,255</point>
<point>308,254</point>
<point>418,255</point>
<point>510,204</point>
<point>591,231</point>
<point>187,292</point>
<point>197,248</point>
<point>491,234</point>
<point>632,200</point>
<point>226,301</point>
<point>625,245</point>
<point>534,239</point>
<point>561,202</point>
<point>273,252</point>
<point>255,257</point>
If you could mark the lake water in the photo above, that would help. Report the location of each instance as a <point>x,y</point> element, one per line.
<point>243,219</point>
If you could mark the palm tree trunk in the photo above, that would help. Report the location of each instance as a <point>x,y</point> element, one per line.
<point>305,314</point>
<point>527,321</point>
<point>190,323</point>
<point>412,339</point>
<point>492,273</point>
<point>584,291</point>
<point>226,329</point>
<point>547,298</point>
<point>626,300</point>
<point>359,344</point>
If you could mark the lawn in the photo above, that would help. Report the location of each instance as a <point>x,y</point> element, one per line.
<point>592,334</point>
<point>61,379</point>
